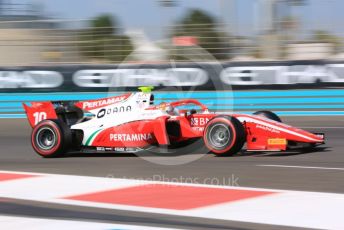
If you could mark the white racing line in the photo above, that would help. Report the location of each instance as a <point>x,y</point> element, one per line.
<point>301,167</point>
<point>319,127</point>
<point>28,223</point>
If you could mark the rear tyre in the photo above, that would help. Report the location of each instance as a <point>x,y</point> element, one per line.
<point>268,114</point>
<point>224,135</point>
<point>51,138</point>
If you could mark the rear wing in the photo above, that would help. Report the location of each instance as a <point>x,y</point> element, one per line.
<point>39,111</point>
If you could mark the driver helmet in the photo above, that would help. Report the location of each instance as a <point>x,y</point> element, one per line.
<point>171,110</point>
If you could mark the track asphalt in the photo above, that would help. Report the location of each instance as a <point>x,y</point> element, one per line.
<point>321,170</point>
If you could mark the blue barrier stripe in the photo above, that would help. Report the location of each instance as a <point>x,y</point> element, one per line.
<point>54,96</point>
<point>22,115</point>
<point>310,113</point>
<point>19,108</point>
<point>253,101</point>
<point>10,104</point>
<point>321,106</point>
<point>221,106</point>
<point>268,101</point>
<point>237,107</point>
<point>244,94</point>
<point>282,113</point>
<point>241,101</point>
<point>11,110</point>
<point>309,99</point>
<point>50,97</point>
<point>173,95</point>
<point>302,113</point>
<point>289,93</point>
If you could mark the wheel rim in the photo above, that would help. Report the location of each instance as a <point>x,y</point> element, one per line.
<point>46,138</point>
<point>219,136</point>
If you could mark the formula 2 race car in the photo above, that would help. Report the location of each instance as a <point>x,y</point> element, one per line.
<point>132,122</point>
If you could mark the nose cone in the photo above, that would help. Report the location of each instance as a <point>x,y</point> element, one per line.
<point>305,136</point>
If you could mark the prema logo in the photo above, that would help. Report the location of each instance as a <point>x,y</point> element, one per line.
<point>89,105</point>
<point>131,137</point>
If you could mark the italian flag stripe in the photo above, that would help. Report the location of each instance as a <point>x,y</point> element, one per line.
<point>93,135</point>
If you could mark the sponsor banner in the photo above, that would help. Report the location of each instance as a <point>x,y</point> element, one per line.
<point>205,76</point>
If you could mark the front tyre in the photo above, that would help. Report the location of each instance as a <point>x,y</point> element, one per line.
<point>51,138</point>
<point>224,135</point>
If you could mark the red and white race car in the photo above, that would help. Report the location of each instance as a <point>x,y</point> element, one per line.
<point>131,123</point>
